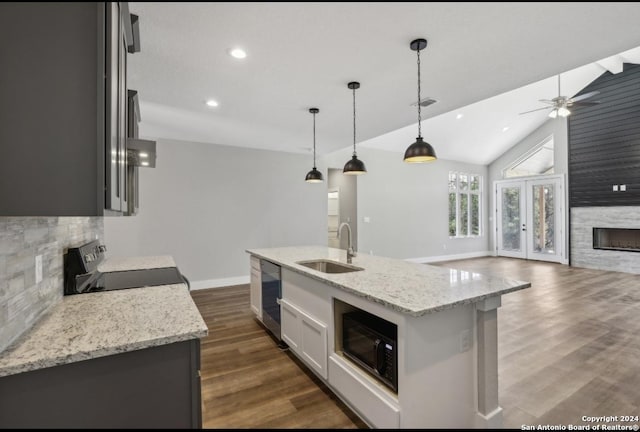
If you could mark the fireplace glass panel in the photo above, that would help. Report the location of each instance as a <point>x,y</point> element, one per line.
<point>622,239</point>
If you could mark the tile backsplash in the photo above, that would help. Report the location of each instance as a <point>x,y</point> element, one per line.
<point>22,300</point>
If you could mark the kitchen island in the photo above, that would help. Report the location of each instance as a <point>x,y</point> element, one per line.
<point>446,320</point>
<point>124,358</point>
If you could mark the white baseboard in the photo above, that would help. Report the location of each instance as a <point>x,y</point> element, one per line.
<point>219,283</point>
<point>467,255</point>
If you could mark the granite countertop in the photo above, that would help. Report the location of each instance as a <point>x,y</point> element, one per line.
<point>86,326</point>
<point>136,263</point>
<point>414,289</point>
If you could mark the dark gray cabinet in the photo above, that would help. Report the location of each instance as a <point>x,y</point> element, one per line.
<point>63,108</point>
<point>154,388</point>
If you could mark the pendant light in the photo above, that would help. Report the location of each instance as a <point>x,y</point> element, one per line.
<point>314,176</point>
<point>354,166</point>
<point>419,151</point>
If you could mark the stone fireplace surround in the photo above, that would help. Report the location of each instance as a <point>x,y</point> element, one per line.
<point>583,254</point>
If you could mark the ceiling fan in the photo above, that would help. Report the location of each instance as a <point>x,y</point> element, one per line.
<point>560,105</point>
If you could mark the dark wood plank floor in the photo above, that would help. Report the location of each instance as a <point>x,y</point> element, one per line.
<point>247,382</point>
<point>569,346</point>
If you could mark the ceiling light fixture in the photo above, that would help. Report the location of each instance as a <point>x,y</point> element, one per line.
<point>211,103</point>
<point>563,111</point>
<point>354,166</point>
<point>459,116</point>
<point>314,176</point>
<point>238,53</point>
<point>506,128</point>
<point>420,151</point>
<point>143,155</point>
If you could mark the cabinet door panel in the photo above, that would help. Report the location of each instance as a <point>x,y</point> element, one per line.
<point>122,118</point>
<point>255,293</point>
<point>314,344</point>
<point>290,325</point>
<point>112,142</point>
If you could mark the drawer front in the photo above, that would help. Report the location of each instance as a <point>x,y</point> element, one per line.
<point>363,396</point>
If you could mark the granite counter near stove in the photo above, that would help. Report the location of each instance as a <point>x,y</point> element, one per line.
<point>121,359</point>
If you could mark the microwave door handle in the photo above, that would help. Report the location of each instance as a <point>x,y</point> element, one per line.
<point>380,360</point>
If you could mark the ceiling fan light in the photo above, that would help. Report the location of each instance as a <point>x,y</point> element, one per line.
<point>420,152</point>
<point>553,113</point>
<point>563,112</point>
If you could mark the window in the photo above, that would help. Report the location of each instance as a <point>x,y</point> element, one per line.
<point>465,202</point>
<point>537,161</point>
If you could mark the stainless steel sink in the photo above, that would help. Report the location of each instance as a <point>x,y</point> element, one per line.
<point>328,266</point>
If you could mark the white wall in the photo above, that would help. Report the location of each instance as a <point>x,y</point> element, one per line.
<point>556,127</point>
<point>205,204</point>
<point>408,206</point>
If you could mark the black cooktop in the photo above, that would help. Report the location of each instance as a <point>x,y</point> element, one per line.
<point>81,273</point>
<point>135,279</point>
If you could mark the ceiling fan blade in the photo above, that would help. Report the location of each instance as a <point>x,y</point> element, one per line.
<point>584,96</point>
<point>547,101</point>
<point>538,109</point>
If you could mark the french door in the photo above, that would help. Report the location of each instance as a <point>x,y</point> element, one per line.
<point>530,218</point>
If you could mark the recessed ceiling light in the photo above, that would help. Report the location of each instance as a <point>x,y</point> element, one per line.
<point>506,128</point>
<point>212,103</point>
<point>459,116</point>
<point>144,163</point>
<point>238,53</point>
<point>144,155</point>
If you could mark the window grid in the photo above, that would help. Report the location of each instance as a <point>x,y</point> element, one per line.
<point>465,190</point>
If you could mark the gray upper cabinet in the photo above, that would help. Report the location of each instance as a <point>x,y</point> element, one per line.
<point>63,108</point>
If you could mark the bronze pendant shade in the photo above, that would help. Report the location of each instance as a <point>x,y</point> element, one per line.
<point>314,176</point>
<point>354,166</point>
<point>420,151</point>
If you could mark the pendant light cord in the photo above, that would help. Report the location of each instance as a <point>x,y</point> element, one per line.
<point>354,121</point>
<point>419,107</point>
<point>314,140</point>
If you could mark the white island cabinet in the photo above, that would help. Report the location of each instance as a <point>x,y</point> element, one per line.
<point>255,287</point>
<point>446,343</point>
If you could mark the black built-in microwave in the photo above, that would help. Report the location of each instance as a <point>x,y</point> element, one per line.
<point>371,342</point>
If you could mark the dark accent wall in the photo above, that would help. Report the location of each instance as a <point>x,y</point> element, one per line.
<point>604,142</point>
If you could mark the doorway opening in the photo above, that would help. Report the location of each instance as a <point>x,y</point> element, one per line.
<point>342,198</point>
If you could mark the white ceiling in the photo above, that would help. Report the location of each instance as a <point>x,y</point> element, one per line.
<point>479,136</point>
<point>303,54</point>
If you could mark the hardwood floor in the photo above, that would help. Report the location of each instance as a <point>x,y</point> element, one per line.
<point>247,382</point>
<point>569,346</point>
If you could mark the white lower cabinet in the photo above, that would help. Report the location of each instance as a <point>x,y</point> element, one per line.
<point>363,396</point>
<point>255,290</point>
<point>290,328</point>
<point>306,336</point>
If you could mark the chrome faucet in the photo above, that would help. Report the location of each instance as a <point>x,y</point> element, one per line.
<point>350,252</point>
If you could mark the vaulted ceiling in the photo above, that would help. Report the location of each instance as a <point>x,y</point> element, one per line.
<point>303,54</point>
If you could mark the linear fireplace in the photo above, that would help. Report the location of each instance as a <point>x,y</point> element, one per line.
<point>619,239</point>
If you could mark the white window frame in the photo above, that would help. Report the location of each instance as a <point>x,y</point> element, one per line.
<point>469,193</point>
<point>526,155</point>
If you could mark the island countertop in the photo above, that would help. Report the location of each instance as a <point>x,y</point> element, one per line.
<point>414,289</point>
<point>86,326</point>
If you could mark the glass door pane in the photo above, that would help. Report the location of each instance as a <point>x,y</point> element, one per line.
<point>544,220</point>
<point>511,219</point>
